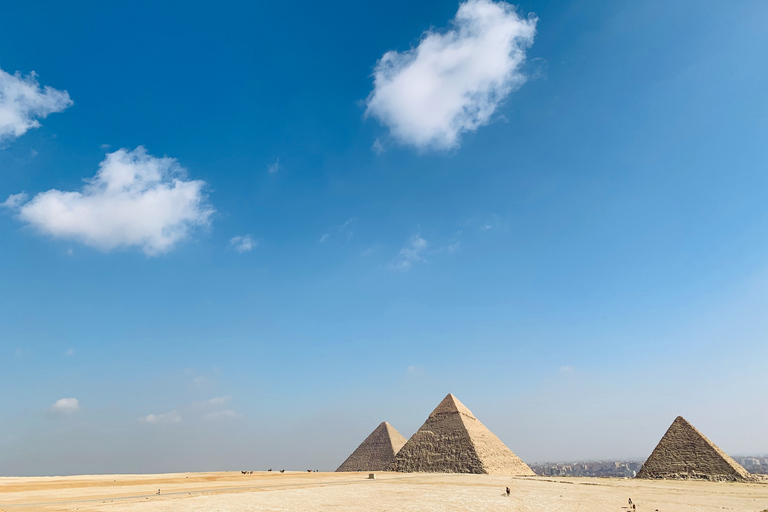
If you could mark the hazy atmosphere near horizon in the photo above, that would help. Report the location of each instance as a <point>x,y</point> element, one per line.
<point>241,235</point>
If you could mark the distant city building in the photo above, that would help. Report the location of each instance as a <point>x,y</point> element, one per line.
<point>757,464</point>
<point>608,468</point>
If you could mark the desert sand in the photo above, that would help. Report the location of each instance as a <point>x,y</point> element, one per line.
<point>295,491</point>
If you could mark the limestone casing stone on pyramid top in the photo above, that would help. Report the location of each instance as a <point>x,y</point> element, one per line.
<point>451,404</point>
<point>377,451</point>
<point>686,453</point>
<point>453,440</point>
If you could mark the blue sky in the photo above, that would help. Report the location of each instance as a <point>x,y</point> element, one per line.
<point>557,212</point>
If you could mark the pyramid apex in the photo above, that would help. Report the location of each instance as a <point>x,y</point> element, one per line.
<point>684,422</point>
<point>388,426</point>
<point>451,404</point>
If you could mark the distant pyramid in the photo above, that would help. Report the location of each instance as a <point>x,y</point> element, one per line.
<point>376,452</point>
<point>685,453</point>
<point>452,440</point>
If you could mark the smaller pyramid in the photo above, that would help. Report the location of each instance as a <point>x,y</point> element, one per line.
<point>452,440</point>
<point>685,453</point>
<point>377,451</point>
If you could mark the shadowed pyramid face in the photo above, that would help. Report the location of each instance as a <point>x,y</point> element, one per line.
<point>452,440</point>
<point>685,453</point>
<point>377,452</point>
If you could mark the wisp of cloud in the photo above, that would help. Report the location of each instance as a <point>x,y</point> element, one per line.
<point>411,253</point>
<point>161,419</point>
<point>22,101</point>
<point>241,244</point>
<point>65,406</point>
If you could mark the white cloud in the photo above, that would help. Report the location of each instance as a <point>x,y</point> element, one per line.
<point>69,352</point>
<point>65,406</point>
<point>15,201</point>
<point>347,223</point>
<point>274,167</point>
<point>23,101</point>
<point>450,248</point>
<point>243,244</point>
<point>345,227</point>
<point>415,372</point>
<point>161,419</point>
<point>135,200</point>
<point>202,382</point>
<point>452,82</point>
<point>213,408</point>
<point>411,253</point>
<point>219,400</point>
<point>567,370</point>
<point>228,413</point>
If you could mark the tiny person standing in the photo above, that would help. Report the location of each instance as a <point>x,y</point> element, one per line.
<point>507,492</point>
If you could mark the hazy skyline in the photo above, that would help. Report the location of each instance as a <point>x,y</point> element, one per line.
<point>242,236</point>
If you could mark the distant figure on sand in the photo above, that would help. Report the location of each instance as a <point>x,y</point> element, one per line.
<point>507,492</point>
<point>158,491</point>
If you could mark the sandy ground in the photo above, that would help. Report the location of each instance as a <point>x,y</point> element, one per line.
<point>234,492</point>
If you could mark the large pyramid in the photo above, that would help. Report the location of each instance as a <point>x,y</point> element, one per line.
<point>452,440</point>
<point>376,452</point>
<point>685,453</point>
